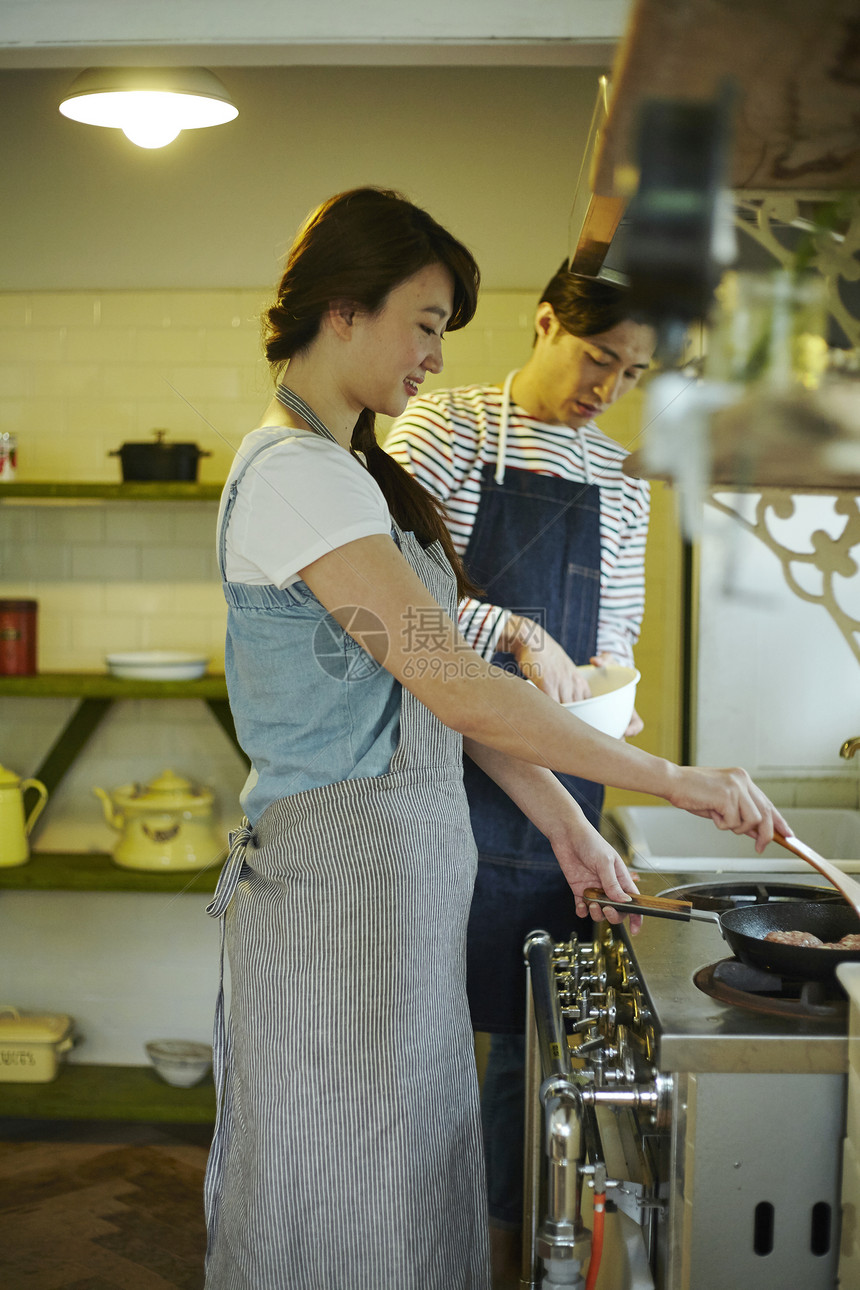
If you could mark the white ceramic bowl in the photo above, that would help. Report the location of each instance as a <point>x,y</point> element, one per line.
<point>180,1061</point>
<point>157,665</point>
<point>613,693</point>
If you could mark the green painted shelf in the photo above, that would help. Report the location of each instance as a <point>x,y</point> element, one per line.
<point>98,685</point>
<point>96,692</point>
<point>143,492</point>
<point>81,871</point>
<point>109,1093</point>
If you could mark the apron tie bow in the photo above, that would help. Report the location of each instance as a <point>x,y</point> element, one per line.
<point>238,841</point>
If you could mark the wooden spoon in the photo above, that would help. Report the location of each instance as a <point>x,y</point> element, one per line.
<point>841,881</point>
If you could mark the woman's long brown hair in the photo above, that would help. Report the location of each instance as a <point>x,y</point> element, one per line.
<point>358,246</point>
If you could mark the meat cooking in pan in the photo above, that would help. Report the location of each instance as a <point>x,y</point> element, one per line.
<point>849,942</point>
<point>795,938</point>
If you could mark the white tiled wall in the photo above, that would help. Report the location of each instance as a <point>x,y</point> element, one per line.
<point>115,576</point>
<point>83,372</point>
<point>127,966</point>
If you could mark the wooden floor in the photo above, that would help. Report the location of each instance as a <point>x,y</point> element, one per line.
<point>101,1206</point>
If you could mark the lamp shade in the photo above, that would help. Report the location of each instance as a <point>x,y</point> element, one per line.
<point>151,105</point>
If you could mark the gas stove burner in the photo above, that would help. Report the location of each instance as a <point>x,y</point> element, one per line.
<point>755,990</point>
<point>735,895</point>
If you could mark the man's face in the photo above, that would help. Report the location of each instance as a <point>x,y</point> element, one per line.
<point>581,376</point>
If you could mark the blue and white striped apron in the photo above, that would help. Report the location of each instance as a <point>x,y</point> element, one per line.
<point>347,1152</point>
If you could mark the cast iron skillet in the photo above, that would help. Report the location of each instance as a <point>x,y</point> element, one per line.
<point>744,930</point>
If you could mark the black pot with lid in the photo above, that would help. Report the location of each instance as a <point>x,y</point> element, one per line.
<point>159,461</point>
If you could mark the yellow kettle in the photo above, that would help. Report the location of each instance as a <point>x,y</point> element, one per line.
<point>166,824</point>
<point>14,828</point>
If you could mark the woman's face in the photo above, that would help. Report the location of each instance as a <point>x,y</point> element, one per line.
<point>392,350</point>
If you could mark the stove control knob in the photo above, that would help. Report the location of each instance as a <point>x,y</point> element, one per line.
<point>625,1056</point>
<point>597,973</point>
<point>642,1015</point>
<point>625,1007</point>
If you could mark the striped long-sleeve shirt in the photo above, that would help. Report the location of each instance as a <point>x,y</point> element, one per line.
<point>446,438</point>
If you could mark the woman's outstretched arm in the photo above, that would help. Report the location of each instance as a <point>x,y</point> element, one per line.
<point>375,595</point>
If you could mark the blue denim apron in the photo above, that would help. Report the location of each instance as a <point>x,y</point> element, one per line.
<point>535,548</point>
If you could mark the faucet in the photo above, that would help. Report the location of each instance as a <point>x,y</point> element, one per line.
<point>850,747</point>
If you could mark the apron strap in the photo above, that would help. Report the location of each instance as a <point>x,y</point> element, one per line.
<point>217,907</point>
<point>289,399</point>
<point>230,499</point>
<point>583,447</point>
<point>504,421</point>
<point>504,418</point>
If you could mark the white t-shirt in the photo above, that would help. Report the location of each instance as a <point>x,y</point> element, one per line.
<point>300,498</point>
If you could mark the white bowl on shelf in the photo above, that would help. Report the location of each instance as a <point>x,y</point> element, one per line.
<point>613,693</point>
<point>157,665</point>
<point>180,1062</point>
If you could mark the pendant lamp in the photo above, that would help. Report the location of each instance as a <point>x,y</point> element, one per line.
<point>151,105</point>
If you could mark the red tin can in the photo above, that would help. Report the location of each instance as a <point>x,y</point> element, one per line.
<point>8,456</point>
<point>18,637</point>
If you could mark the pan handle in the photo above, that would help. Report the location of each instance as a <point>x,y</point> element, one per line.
<point>660,906</point>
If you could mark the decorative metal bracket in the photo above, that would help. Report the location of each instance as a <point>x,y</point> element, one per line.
<point>835,254</point>
<point>832,252</point>
<point>831,556</point>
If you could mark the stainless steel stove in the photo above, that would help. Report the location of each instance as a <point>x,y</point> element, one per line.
<point>715,1123</point>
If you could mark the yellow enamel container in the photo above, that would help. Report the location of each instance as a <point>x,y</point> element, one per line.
<point>32,1044</point>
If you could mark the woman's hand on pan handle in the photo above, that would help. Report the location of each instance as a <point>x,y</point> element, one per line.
<point>729,798</point>
<point>587,860</point>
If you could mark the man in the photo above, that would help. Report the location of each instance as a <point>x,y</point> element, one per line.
<point>555,533</point>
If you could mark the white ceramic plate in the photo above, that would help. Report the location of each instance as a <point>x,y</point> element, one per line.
<point>156,665</point>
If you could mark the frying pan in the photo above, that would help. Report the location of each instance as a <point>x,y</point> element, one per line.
<point>744,930</point>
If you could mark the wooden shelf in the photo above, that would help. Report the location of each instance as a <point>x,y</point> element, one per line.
<point>109,1093</point>
<point>160,492</point>
<point>95,871</point>
<point>99,685</point>
<point>96,692</point>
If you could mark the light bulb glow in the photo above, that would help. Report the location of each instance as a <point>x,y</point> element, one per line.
<point>150,133</point>
<point>150,118</point>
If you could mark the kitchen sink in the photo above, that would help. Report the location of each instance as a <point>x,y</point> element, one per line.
<point>670,840</point>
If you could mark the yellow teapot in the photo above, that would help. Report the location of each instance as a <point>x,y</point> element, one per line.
<point>164,825</point>
<point>14,828</point>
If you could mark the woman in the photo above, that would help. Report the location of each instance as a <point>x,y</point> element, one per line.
<point>347,1152</point>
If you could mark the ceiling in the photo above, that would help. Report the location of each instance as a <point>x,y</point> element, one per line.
<point>77,33</point>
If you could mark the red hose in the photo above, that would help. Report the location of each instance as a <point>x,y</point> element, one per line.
<point>596,1241</point>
